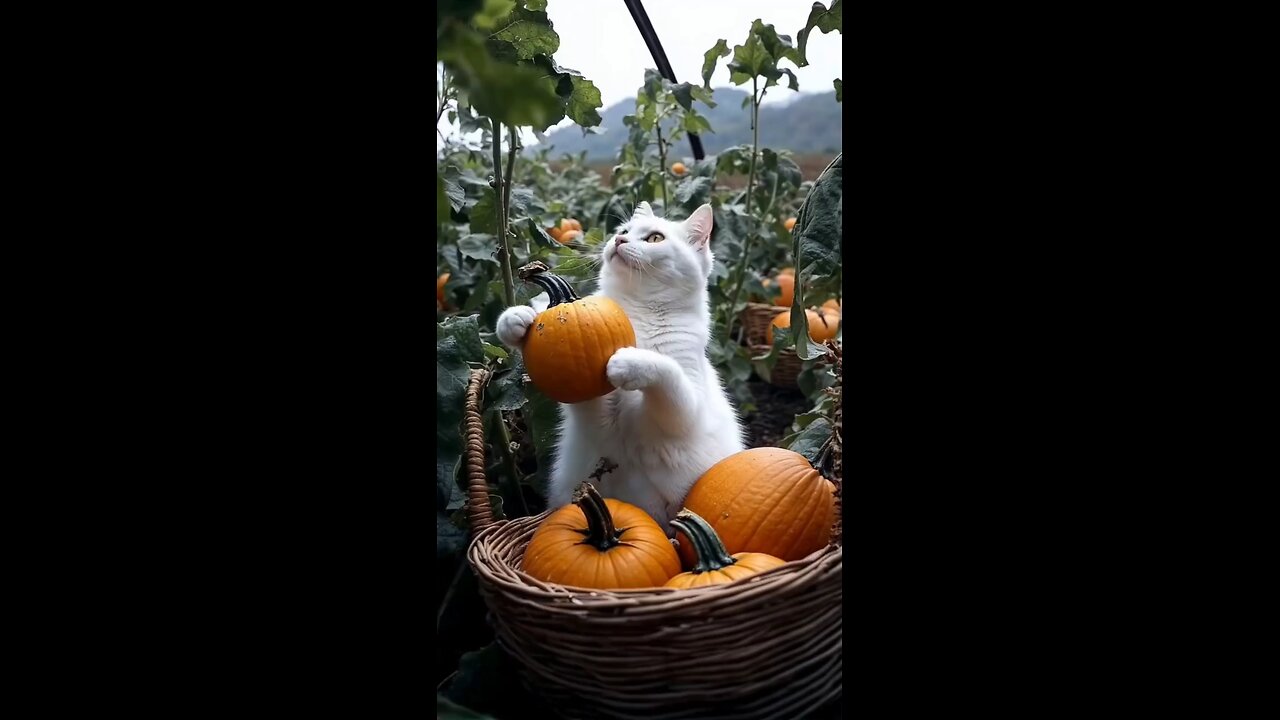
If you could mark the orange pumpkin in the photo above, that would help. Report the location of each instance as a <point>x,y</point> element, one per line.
<point>823,324</point>
<point>440,281</point>
<point>569,236</point>
<point>570,224</point>
<point>713,564</point>
<point>555,234</point>
<point>765,500</point>
<point>581,545</point>
<point>678,168</point>
<point>567,349</point>
<point>790,223</point>
<point>832,305</point>
<point>786,283</point>
<point>787,271</point>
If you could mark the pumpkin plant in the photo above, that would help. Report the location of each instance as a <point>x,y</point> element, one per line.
<point>713,565</point>
<point>568,347</point>
<point>766,500</point>
<point>600,543</point>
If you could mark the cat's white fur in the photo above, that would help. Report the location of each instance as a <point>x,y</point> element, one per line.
<point>670,420</point>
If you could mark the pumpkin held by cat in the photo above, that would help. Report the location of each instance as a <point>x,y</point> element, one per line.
<point>568,347</point>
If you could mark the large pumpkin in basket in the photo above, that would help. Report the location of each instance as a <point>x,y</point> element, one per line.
<point>600,543</point>
<point>764,500</point>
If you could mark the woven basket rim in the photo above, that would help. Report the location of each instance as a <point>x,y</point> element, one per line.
<point>557,590</point>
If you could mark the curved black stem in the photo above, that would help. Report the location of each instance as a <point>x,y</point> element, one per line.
<point>601,533</point>
<point>707,546</point>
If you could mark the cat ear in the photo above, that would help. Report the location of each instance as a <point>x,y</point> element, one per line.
<point>643,209</point>
<point>698,227</point>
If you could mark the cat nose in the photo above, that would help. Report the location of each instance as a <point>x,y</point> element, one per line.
<point>619,240</point>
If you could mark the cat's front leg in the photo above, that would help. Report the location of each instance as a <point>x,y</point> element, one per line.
<point>513,323</point>
<point>671,401</point>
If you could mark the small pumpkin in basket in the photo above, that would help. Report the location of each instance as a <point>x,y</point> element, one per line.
<point>766,500</point>
<point>713,564</point>
<point>600,543</point>
<point>568,347</point>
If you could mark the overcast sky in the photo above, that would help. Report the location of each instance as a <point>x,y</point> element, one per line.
<point>599,39</point>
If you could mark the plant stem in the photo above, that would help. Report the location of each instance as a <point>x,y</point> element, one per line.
<point>751,181</point>
<point>662,166</point>
<point>499,196</point>
<point>708,548</point>
<point>509,458</point>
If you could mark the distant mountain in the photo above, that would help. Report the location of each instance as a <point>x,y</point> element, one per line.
<point>809,124</point>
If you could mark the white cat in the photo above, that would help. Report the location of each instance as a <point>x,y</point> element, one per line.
<point>670,420</point>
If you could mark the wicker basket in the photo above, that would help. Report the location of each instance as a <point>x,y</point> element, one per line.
<point>765,647</point>
<point>756,318</point>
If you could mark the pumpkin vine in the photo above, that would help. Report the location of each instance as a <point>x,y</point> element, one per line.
<point>600,533</point>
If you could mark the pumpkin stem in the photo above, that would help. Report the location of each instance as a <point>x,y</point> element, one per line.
<point>601,533</point>
<point>558,289</point>
<point>707,546</point>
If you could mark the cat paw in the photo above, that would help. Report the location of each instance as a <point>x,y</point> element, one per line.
<point>513,323</point>
<point>632,369</point>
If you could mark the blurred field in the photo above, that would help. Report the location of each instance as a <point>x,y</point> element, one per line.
<point>811,165</point>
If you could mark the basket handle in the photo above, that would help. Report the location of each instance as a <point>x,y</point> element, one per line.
<point>479,512</point>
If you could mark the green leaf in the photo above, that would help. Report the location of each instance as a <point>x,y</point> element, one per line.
<point>792,83</point>
<point>717,51</point>
<point>453,191</point>
<point>479,246</point>
<point>540,236</point>
<point>695,123</point>
<point>839,89</point>
<point>519,95</point>
<point>505,390</point>
<point>451,540</point>
<point>495,351</point>
<point>457,343</point>
<point>521,34</point>
<point>584,102</point>
<point>778,46</point>
<point>693,192</point>
<point>484,215</point>
<point>442,201</point>
<point>809,441</point>
<point>817,251</point>
<point>542,414</point>
<point>492,12</point>
<point>825,20</point>
<point>536,4</point>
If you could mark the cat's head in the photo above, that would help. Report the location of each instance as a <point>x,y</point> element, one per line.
<point>653,256</point>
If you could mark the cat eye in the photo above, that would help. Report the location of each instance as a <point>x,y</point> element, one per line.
<point>654,237</point>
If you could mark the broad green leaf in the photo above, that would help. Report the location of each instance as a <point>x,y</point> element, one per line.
<point>542,414</point>
<point>817,251</point>
<point>684,95</point>
<point>495,351</point>
<point>717,51</point>
<point>540,236</point>
<point>442,201</point>
<point>451,540</point>
<point>792,83</point>
<point>704,95</point>
<point>479,246</point>
<point>505,390</point>
<point>778,46</point>
<point>536,4</point>
<point>457,343</point>
<point>695,123</point>
<point>693,192</point>
<point>584,102</point>
<point>822,18</point>
<point>518,95</point>
<point>453,191</point>
<point>521,34</point>
<point>484,216</point>
<point>809,441</point>
<point>839,89</point>
<point>492,12</point>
